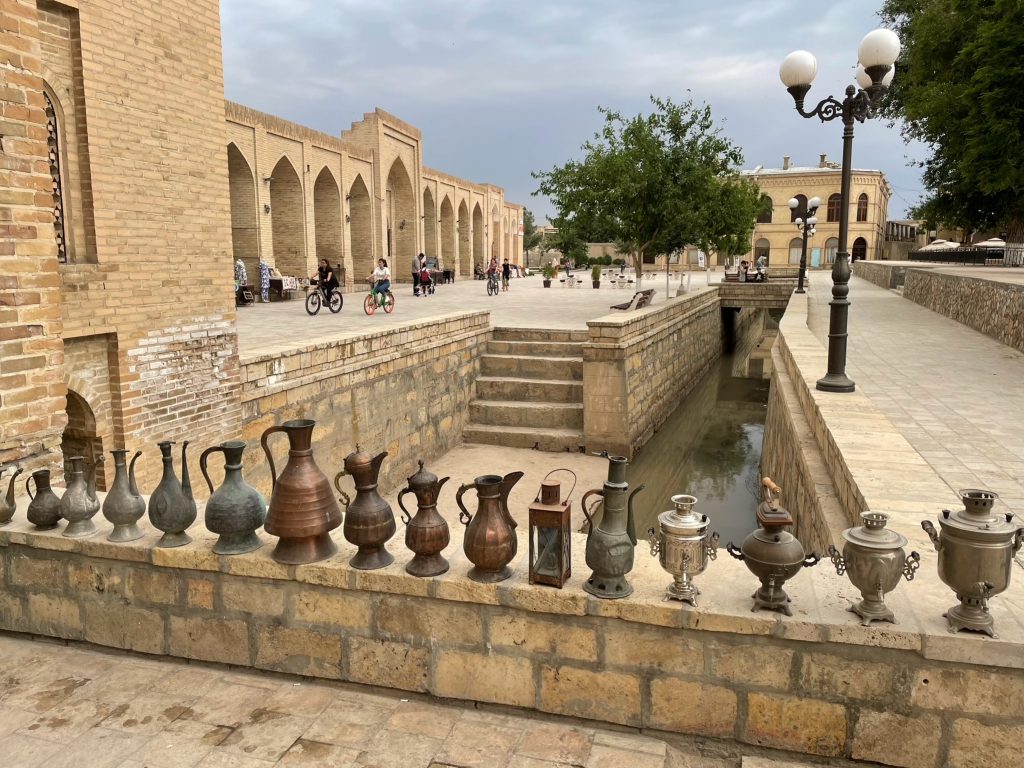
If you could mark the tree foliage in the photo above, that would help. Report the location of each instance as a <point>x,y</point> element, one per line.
<point>655,183</point>
<point>959,88</point>
<point>532,236</point>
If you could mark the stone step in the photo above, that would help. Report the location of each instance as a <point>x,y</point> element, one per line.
<point>555,440</point>
<point>763,762</point>
<point>509,413</point>
<point>534,390</point>
<point>536,348</point>
<point>539,334</point>
<point>547,368</point>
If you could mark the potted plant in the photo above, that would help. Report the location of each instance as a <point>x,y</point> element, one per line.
<point>595,275</point>
<point>549,273</point>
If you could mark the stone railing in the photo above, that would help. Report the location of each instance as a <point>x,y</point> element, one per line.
<point>883,274</point>
<point>817,682</point>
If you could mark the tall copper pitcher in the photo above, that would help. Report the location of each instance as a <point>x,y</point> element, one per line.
<point>302,508</point>
<point>490,541</point>
<point>369,520</point>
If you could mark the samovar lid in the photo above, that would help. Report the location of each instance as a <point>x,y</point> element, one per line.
<point>422,479</point>
<point>873,534</point>
<point>978,515</point>
<point>683,520</point>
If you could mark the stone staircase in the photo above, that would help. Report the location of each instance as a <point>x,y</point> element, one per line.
<point>530,391</point>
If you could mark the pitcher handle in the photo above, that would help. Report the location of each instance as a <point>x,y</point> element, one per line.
<point>406,517</point>
<point>202,463</point>
<point>270,457</point>
<point>132,486</point>
<point>28,490</point>
<point>583,503</point>
<point>464,516</point>
<point>345,500</point>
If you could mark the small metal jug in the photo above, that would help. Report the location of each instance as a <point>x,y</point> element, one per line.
<point>235,510</point>
<point>611,543</point>
<point>124,505</point>
<point>684,546</point>
<point>172,508</point>
<point>369,519</point>
<point>78,504</point>
<point>426,534</point>
<point>7,504</point>
<point>44,509</point>
<point>490,542</point>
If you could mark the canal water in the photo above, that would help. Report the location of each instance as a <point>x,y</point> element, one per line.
<point>710,447</point>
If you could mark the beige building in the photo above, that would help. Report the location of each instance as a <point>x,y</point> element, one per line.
<point>128,188</point>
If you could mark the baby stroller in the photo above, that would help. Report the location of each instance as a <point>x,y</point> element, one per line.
<point>426,284</point>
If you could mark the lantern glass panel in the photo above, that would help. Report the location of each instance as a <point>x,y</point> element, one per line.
<point>547,546</point>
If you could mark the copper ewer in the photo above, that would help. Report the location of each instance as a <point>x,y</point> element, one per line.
<point>302,509</point>
<point>369,520</point>
<point>426,534</point>
<point>490,542</point>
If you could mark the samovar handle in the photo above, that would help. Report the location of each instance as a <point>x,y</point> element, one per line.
<point>910,566</point>
<point>930,530</point>
<point>837,559</point>
<point>406,517</point>
<point>812,559</point>
<point>654,540</point>
<point>464,516</point>
<point>711,548</point>
<point>345,500</point>
<point>735,551</point>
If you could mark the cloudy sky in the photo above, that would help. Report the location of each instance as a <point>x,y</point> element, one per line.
<point>500,89</point>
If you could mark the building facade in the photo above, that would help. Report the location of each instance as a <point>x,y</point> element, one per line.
<point>128,188</point>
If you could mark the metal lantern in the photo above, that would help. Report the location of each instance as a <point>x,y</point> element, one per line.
<point>550,535</point>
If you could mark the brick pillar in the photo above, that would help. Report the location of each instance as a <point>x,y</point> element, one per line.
<point>32,391</point>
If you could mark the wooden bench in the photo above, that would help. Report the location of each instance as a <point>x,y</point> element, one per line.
<point>731,277</point>
<point>640,300</point>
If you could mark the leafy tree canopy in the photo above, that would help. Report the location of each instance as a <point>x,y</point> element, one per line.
<point>655,183</point>
<point>532,236</point>
<point>959,88</point>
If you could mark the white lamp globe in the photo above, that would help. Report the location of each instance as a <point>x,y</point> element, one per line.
<point>812,221</point>
<point>799,68</point>
<point>798,220</point>
<point>863,78</point>
<point>880,47</point>
<point>814,202</point>
<point>793,203</point>
<point>887,78</point>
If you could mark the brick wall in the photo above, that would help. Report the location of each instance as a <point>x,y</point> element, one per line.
<point>31,353</point>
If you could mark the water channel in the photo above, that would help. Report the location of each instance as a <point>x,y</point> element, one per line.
<point>710,447</point>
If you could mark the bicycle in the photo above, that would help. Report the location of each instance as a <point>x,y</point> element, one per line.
<point>492,284</point>
<point>375,298</point>
<point>318,297</point>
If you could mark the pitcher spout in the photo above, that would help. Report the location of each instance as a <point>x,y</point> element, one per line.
<point>630,526</point>
<point>507,484</point>
<point>376,463</point>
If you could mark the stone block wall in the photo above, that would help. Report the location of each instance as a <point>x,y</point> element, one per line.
<point>638,366</point>
<point>883,275</point>
<point>993,308</point>
<point>817,683</point>
<point>404,390</point>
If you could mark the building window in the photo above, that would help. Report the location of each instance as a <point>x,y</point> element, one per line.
<point>796,246</point>
<point>860,249</point>
<point>862,207</point>
<point>762,248</point>
<point>800,211</point>
<point>835,204</point>
<point>53,143</point>
<point>764,216</point>
<point>831,249</point>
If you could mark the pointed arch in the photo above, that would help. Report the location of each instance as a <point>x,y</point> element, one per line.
<point>244,225</point>
<point>327,227</point>
<point>401,217</point>
<point>429,224</point>
<point>495,233</point>
<point>506,238</point>
<point>360,229</point>
<point>478,236</point>
<point>288,220</point>
<point>81,436</point>
<point>447,222</point>
<point>465,241</point>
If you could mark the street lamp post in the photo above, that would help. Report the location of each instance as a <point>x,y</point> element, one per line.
<point>806,227</point>
<point>878,51</point>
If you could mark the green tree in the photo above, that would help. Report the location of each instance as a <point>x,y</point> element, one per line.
<point>567,240</point>
<point>532,236</point>
<point>958,89</point>
<point>655,183</point>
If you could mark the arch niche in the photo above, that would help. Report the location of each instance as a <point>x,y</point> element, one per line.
<point>360,229</point>
<point>478,236</point>
<point>80,437</point>
<point>401,220</point>
<point>465,242</point>
<point>327,219</point>
<point>495,234</point>
<point>447,222</point>
<point>796,247</point>
<point>429,224</point>
<point>244,228</point>
<point>762,248</point>
<point>508,239</point>
<point>287,220</point>
<point>860,249</point>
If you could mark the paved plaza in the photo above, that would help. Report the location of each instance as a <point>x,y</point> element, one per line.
<point>955,394</point>
<point>72,706</point>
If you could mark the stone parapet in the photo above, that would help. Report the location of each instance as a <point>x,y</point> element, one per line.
<point>884,274</point>
<point>817,683</point>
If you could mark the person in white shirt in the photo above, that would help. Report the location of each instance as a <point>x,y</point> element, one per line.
<point>381,277</point>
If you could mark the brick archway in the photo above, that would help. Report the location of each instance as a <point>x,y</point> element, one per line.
<point>81,436</point>
<point>287,220</point>
<point>429,224</point>
<point>244,226</point>
<point>447,222</point>
<point>327,218</point>
<point>465,241</point>
<point>360,230</point>
<point>400,208</point>
<point>478,237</point>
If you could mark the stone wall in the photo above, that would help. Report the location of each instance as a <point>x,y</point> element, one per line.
<point>404,390</point>
<point>883,275</point>
<point>990,307</point>
<point>637,367</point>
<point>816,683</point>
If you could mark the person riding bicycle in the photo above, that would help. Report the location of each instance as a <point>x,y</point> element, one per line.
<point>326,279</point>
<point>381,277</point>
<point>492,268</point>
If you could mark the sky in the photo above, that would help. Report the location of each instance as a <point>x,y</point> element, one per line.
<point>500,89</point>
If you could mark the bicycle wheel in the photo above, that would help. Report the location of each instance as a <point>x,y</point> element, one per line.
<point>336,302</point>
<point>313,303</point>
<point>369,304</point>
<point>490,288</point>
<point>389,302</point>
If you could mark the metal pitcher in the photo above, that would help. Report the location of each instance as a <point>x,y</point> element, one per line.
<point>611,543</point>
<point>172,508</point>
<point>490,542</point>
<point>302,510</point>
<point>369,520</point>
<point>426,534</point>
<point>124,505</point>
<point>44,508</point>
<point>78,504</point>
<point>236,509</point>
<point>7,504</point>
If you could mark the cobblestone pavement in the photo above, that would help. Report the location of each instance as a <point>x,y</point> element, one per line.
<point>71,706</point>
<point>265,328</point>
<point>955,394</point>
